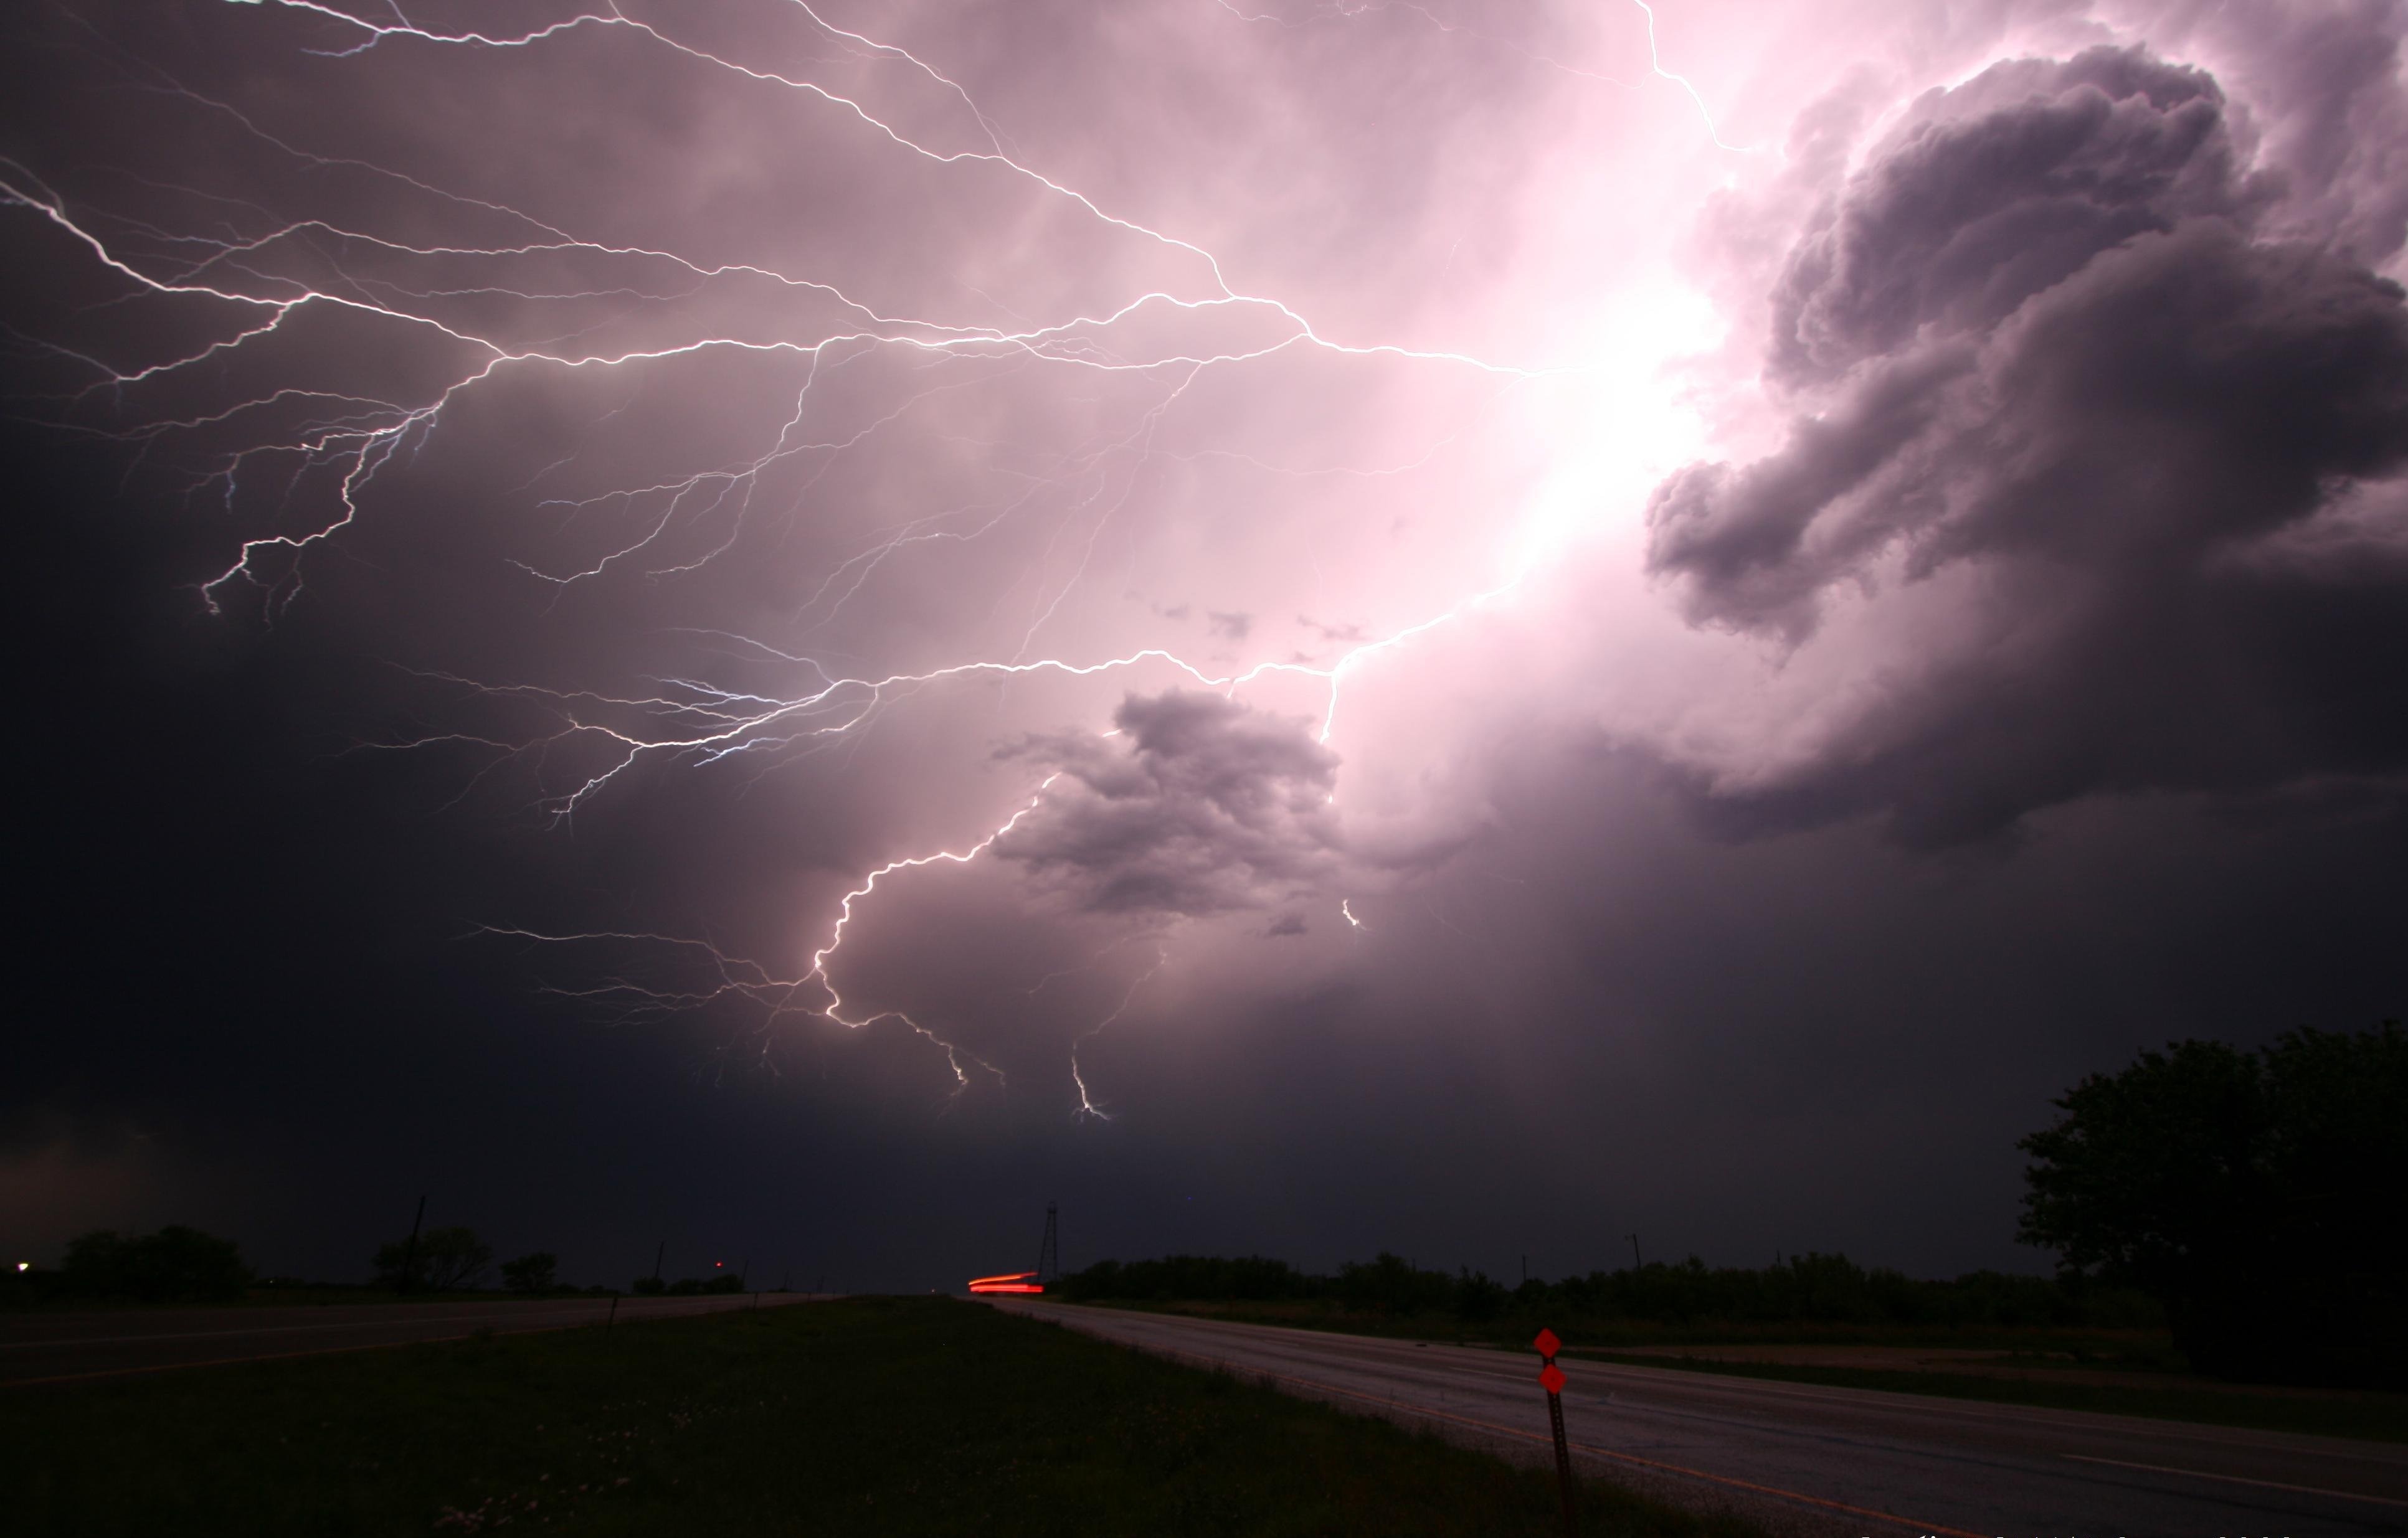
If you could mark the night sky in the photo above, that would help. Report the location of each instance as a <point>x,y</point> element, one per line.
<point>1462,629</point>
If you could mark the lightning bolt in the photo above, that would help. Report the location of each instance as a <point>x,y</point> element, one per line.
<point>1087,1107</point>
<point>1656,62</point>
<point>245,272</point>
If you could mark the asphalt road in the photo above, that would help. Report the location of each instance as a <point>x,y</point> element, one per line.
<point>54,1348</point>
<point>1804,1458</point>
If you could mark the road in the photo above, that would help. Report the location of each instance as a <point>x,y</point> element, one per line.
<point>54,1347</point>
<point>1803,1458</point>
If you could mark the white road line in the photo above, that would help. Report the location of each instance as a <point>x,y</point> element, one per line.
<point>1744,1389</point>
<point>2236,1480</point>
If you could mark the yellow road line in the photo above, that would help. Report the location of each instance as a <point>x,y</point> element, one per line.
<point>2236,1480</point>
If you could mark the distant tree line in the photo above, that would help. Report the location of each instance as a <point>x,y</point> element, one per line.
<point>689,1286</point>
<point>2249,1200</point>
<point>453,1259</point>
<point>1804,1289</point>
<point>181,1264</point>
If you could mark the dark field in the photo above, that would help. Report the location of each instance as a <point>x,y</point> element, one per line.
<point>901,1415</point>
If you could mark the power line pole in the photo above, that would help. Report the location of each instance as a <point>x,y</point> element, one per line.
<point>409,1256</point>
<point>658,1256</point>
<point>1636,1262</point>
<point>1049,1254</point>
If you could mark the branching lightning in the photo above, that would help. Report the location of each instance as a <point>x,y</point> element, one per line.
<point>247,271</point>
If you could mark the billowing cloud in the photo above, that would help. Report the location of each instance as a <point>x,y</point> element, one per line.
<point>1995,191</point>
<point>2060,345</point>
<point>1194,805</point>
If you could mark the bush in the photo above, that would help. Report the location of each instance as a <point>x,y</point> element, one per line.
<point>1392,1285</point>
<point>534,1273</point>
<point>1478,1299</point>
<point>177,1264</point>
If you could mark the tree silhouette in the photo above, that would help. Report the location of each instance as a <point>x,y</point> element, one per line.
<point>448,1259</point>
<point>2254,1193</point>
<point>177,1264</point>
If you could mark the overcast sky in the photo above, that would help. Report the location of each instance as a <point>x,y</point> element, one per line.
<point>1464,629</point>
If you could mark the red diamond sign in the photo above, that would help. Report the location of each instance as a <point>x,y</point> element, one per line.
<point>1550,1378</point>
<point>1546,1345</point>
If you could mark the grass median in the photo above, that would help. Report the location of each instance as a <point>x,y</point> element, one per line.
<point>867,1416</point>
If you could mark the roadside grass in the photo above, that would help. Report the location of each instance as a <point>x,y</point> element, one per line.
<point>863,1415</point>
<point>2366,1414</point>
<point>308,1296</point>
<point>13,1304</point>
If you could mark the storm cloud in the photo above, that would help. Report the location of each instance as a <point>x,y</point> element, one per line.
<point>649,620</point>
<point>1194,805</point>
<point>2058,344</point>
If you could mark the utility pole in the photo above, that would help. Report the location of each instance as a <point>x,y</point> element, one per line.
<point>409,1256</point>
<point>658,1256</point>
<point>1636,1262</point>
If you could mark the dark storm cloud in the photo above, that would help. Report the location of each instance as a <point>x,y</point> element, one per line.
<point>2058,343</point>
<point>1993,192</point>
<point>1195,805</point>
<point>2334,121</point>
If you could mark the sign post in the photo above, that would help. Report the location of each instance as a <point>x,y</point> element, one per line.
<point>1550,1378</point>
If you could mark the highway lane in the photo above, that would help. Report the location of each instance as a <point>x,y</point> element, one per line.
<point>1805,1459</point>
<point>41,1347</point>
